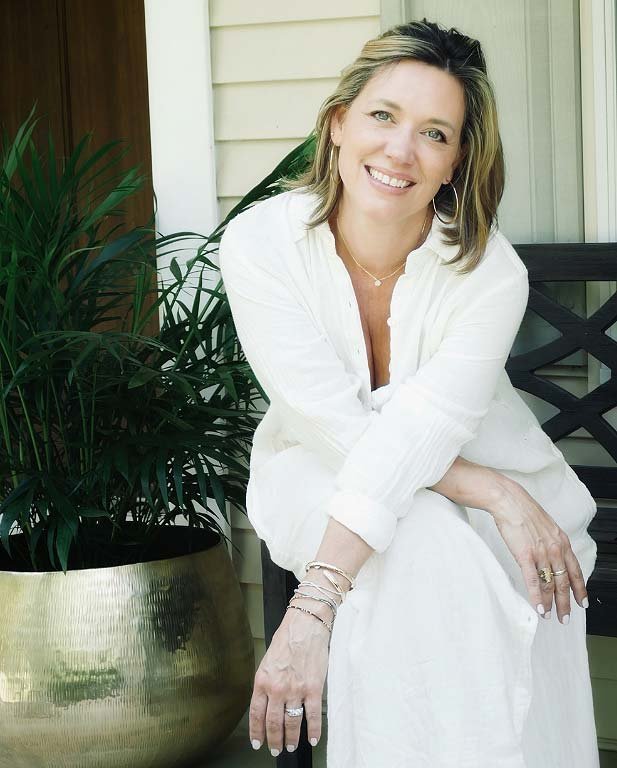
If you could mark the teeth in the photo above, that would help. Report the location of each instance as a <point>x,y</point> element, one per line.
<point>391,182</point>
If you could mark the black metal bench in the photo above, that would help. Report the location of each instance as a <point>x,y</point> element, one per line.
<point>545,263</point>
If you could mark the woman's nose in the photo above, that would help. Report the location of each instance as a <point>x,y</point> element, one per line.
<point>402,148</point>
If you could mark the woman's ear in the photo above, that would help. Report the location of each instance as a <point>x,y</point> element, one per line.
<point>462,153</point>
<point>456,164</point>
<point>336,124</point>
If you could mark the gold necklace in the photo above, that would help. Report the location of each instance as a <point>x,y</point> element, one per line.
<point>379,280</point>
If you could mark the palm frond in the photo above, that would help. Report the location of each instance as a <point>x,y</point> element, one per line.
<point>100,422</point>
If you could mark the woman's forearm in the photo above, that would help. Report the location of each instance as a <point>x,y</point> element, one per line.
<point>342,547</point>
<point>472,485</point>
<point>465,483</point>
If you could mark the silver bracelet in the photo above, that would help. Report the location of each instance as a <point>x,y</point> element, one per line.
<point>335,584</point>
<point>321,588</point>
<point>320,564</point>
<point>326,600</point>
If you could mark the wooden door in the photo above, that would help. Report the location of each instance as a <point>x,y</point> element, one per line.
<point>84,64</point>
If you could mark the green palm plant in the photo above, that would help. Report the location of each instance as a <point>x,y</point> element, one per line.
<point>109,433</point>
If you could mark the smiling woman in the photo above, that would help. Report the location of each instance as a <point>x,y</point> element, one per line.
<point>377,301</point>
<point>403,154</point>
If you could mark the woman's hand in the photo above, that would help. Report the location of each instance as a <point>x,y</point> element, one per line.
<point>536,541</point>
<point>291,674</point>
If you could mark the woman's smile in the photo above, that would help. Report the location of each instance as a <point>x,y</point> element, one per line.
<point>386,188</point>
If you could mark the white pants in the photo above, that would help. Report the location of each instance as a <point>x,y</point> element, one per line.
<point>437,658</point>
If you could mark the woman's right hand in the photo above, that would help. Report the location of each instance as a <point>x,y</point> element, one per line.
<point>291,674</point>
<point>536,541</point>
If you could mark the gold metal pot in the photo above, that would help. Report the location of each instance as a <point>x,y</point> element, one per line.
<point>149,664</point>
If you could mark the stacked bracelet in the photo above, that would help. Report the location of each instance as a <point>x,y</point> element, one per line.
<point>330,601</point>
<point>327,600</point>
<point>318,564</point>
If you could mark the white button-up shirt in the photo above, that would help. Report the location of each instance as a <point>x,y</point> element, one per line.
<point>298,321</point>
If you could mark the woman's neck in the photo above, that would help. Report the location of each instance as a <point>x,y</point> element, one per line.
<point>379,250</point>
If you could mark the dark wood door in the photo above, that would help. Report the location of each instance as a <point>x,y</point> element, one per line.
<point>84,63</point>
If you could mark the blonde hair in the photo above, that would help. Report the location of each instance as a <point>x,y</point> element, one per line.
<point>480,175</point>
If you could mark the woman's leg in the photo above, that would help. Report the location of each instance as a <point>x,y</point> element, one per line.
<point>436,653</point>
<point>430,656</point>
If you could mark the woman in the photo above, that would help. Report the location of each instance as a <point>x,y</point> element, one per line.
<point>397,472</point>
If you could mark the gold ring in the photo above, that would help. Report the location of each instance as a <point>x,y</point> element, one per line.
<point>546,575</point>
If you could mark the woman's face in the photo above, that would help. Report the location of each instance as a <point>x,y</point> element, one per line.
<point>406,123</point>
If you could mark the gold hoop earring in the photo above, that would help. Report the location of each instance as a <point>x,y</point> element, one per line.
<point>455,215</point>
<point>333,175</point>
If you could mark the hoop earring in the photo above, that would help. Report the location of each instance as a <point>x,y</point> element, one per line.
<point>455,215</point>
<point>333,177</point>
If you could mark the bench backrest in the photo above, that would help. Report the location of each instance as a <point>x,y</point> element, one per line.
<point>584,262</point>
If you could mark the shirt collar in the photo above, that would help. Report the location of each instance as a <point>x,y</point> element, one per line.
<point>302,205</point>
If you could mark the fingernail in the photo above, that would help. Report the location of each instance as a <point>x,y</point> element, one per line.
<point>547,615</point>
<point>291,747</point>
<point>313,742</point>
<point>585,603</point>
<point>540,608</point>
<point>274,752</point>
<point>565,618</point>
<point>255,743</point>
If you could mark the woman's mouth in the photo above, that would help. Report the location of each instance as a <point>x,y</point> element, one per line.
<point>384,183</point>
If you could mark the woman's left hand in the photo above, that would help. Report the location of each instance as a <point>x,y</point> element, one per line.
<point>291,674</point>
<point>536,541</point>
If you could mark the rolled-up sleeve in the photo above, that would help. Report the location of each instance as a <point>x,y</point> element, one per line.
<point>380,459</point>
<point>421,429</point>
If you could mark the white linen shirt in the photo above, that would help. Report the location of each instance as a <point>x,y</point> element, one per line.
<point>298,322</point>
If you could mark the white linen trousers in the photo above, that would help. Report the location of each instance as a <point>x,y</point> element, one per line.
<point>437,658</point>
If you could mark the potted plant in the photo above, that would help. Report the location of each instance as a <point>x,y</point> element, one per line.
<point>123,635</point>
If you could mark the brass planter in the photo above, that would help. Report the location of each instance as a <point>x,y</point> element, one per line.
<point>137,665</point>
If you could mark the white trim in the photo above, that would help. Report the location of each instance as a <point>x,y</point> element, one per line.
<point>181,117</point>
<point>182,131</point>
<point>599,123</point>
<point>599,108</point>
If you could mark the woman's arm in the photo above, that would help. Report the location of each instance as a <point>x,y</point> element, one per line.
<point>466,483</point>
<point>342,547</point>
<point>472,485</point>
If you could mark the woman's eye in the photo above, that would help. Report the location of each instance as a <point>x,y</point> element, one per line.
<point>379,112</point>
<point>439,133</point>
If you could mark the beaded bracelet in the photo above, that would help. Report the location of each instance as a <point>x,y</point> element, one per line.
<point>330,603</point>
<point>306,610</point>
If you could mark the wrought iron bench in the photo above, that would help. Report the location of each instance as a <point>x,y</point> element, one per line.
<point>545,263</point>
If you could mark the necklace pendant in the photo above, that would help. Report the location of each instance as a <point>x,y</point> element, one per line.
<point>377,282</point>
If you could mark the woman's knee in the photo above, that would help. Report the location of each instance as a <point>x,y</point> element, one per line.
<point>432,519</point>
<point>435,544</point>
